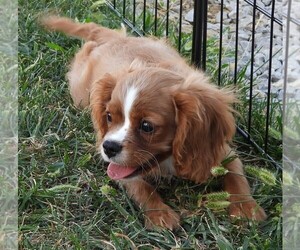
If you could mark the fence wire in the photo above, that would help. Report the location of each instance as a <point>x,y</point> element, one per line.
<point>235,42</point>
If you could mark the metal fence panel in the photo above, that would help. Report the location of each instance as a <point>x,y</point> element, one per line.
<point>236,42</point>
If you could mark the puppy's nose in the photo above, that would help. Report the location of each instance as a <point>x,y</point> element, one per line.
<point>111,148</point>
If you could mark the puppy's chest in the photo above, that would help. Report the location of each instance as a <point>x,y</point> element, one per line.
<point>166,169</point>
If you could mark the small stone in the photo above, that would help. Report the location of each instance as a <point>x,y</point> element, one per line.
<point>244,35</point>
<point>276,64</point>
<point>218,17</point>
<point>292,75</point>
<point>276,76</point>
<point>296,7</point>
<point>244,44</point>
<point>266,2</point>
<point>260,94</point>
<point>280,94</point>
<point>230,5</point>
<point>260,58</point>
<point>297,95</point>
<point>227,20</point>
<point>248,71</point>
<point>211,26</point>
<point>258,72</point>
<point>232,14</point>
<point>263,79</point>
<point>246,11</point>
<point>189,16</point>
<point>245,23</point>
<point>176,8</point>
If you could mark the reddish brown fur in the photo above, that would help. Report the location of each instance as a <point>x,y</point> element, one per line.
<point>193,119</point>
<point>206,125</point>
<point>99,98</point>
<point>107,95</point>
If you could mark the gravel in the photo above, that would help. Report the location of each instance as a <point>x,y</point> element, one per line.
<point>262,36</point>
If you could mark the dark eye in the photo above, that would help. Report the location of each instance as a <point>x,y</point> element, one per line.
<point>108,117</point>
<point>146,127</point>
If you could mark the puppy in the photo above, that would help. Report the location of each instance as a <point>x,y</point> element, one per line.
<point>154,115</point>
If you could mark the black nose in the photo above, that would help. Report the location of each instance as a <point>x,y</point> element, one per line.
<point>111,148</point>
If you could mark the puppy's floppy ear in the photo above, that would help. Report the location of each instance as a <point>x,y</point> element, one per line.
<point>100,96</point>
<point>204,124</point>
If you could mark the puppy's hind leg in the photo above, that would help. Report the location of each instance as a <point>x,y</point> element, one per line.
<point>242,203</point>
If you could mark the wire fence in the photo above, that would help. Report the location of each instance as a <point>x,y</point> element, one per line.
<point>291,101</point>
<point>236,42</point>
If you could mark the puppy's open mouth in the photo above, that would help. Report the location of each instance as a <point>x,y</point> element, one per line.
<point>118,172</point>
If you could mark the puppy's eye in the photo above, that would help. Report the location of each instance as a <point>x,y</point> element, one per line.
<point>146,126</point>
<point>108,117</point>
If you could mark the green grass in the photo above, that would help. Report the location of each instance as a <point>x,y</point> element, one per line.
<point>66,200</point>
<point>8,124</point>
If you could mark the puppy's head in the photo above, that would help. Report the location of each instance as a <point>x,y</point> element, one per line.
<point>146,115</point>
<point>134,115</point>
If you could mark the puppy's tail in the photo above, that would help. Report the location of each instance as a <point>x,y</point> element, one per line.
<point>86,31</point>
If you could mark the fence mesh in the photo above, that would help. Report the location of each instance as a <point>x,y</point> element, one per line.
<point>236,42</point>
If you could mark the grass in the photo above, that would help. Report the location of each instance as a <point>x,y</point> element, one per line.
<point>66,200</point>
<point>8,124</point>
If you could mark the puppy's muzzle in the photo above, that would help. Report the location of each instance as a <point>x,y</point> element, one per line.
<point>111,148</point>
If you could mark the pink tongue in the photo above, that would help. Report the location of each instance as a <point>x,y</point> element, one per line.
<point>117,172</point>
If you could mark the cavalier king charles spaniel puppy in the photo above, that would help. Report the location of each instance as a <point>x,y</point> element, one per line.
<point>154,115</point>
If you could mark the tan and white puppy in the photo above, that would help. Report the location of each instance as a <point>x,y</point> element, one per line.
<point>154,115</point>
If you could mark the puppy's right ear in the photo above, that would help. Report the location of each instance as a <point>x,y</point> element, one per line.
<point>100,96</point>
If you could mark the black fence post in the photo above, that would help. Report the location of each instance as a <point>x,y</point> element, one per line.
<point>199,33</point>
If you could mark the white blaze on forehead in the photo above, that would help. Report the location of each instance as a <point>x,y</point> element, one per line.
<point>131,95</point>
<point>120,134</point>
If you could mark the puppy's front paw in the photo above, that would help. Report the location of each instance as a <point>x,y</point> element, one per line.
<point>163,217</point>
<point>247,209</point>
